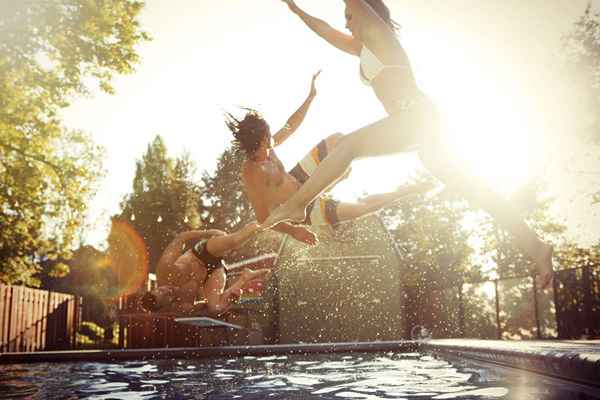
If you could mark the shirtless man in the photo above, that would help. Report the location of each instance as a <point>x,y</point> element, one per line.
<point>193,260</point>
<point>268,184</point>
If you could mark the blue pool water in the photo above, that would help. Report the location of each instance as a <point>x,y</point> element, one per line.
<point>315,376</point>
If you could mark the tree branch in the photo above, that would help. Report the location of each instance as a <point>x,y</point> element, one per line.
<point>22,152</point>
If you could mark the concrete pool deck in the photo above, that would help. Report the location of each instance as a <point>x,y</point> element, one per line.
<point>573,360</point>
<point>577,361</point>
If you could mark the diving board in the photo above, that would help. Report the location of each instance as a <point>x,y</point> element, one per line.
<point>206,322</point>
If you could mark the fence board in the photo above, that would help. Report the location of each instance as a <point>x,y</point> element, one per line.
<point>33,319</point>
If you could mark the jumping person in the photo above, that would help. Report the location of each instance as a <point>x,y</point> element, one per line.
<point>193,260</point>
<point>413,124</point>
<point>268,184</point>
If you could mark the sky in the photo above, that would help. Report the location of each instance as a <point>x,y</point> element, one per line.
<point>484,63</point>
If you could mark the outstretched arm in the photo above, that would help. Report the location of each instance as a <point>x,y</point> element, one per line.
<point>296,119</point>
<point>342,41</point>
<point>253,184</point>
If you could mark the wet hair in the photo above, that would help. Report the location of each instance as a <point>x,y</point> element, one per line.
<point>384,13</point>
<point>248,132</point>
<point>149,302</point>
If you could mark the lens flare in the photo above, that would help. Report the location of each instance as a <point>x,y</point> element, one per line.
<point>128,257</point>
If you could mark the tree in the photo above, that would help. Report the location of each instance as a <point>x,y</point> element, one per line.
<point>582,53</point>
<point>223,196</point>
<point>435,258</point>
<point>49,49</point>
<point>164,200</point>
<point>582,49</point>
<point>515,269</point>
<point>92,278</point>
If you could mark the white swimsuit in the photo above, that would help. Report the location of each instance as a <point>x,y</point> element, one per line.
<point>371,66</point>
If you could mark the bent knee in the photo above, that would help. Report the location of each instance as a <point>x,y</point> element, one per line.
<point>333,140</point>
<point>350,145</point>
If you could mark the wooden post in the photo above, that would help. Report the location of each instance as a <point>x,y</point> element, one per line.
<point>498,327</point>
<point>536,311</point>
<point>461,312</point>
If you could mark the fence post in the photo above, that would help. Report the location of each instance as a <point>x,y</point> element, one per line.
<point>498,327</point>
<point>276,309</point>
<point>535,310</point>
<point>122,325</point>
<point>10,317</point>
<point>461,311</point>
<point>557,306</point>
<point>587,297</point>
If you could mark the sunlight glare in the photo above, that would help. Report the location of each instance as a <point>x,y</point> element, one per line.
<point>490,133</point>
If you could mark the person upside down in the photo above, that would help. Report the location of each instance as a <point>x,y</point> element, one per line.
<point>193,261</point>
<point>268,184</point>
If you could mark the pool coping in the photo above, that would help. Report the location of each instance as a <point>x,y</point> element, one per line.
<point>576,361</point>
<point>204,352</point>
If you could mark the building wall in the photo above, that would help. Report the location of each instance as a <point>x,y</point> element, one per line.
<point>347,288</point>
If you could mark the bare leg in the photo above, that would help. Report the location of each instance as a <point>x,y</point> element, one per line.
<point>391,135</point>
<point>347,211</point>
<point>333,141</point>
<point>309,165</point>
<point>219,245</point>
<point>479,194</point>
<point>220,300</point>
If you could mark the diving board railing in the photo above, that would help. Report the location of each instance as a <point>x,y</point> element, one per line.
<point>258,262</point>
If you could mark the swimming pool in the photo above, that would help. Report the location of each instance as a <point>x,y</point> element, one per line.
<point>369,375</point>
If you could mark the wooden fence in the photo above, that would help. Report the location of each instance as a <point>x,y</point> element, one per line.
<point>36,320</point>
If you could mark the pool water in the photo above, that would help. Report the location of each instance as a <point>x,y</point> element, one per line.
<point>314,376</point>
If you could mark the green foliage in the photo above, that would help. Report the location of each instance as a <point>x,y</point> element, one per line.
<point>571,255</point>
<point>164,200</point>
<point>582,49</point>
<point>516,294</point>
<point>48,50</point>
<point>90,333</point>
<point>91,277</point>
<point>224,198</point>
<point>435,257</point>
<point>432,240</point>
<point>582,52</point>
<point>500,246</point>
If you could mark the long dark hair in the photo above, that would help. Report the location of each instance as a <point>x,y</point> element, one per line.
<point>384,13</point>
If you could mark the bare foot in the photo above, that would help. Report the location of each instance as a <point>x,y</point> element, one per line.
<point>283,213</point>
<point>545,272</point>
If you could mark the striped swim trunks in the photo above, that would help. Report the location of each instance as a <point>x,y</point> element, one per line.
<point>322,211</point>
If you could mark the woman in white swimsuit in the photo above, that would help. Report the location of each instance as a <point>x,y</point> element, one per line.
<point>413,124</point>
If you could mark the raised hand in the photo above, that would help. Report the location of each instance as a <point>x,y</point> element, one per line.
<point>313,89</point>
<point>290,3</point>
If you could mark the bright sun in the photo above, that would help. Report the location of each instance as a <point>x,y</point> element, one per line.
<point>490,131</point>
<point>493,141</point>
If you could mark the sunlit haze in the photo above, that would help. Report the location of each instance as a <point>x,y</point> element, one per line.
<point>484,63</point>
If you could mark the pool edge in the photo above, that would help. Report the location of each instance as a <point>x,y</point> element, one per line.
<point>204,352</point>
